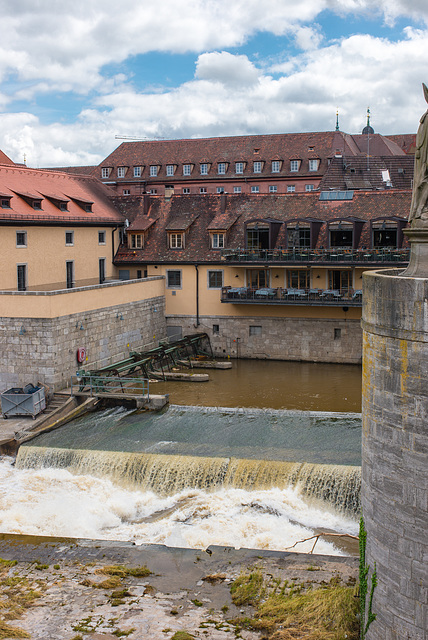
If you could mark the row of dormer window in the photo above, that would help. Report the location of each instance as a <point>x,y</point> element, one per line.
<point>204,168</point>
<point>36,203</point>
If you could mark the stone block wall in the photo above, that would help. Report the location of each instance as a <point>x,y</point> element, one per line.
<point>45,349</point>
<point>395,452</point>
<point>312,340</point>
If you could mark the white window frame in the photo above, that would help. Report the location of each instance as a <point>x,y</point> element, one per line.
<point>186,190</point>
<point>137,172</point>
<point>276,166</point>
<point>255,189</point>
<point>313,165</point>
<point>21,245</point>
<point>174,286</point>
<point>126,192</point>
<point>220,190</point>
<point>202,190</point>
<point>273,188</point>
<point>101,237</point>
<point>136,241</point>
<point>221,168</point>
<point>105,172</point>
<point>217,240</point>
<point>121,172</point>
<point>203,169</point>
<point>69,244</point>
<point>309,187</point>
<point>187,169</point>
<point>291,188</point>
<point>216,271</point>
<point>294,165</point>
<point>153,170</point>
<point>257,166</point>
<point>176,240</point>
<point>237,189</point>
<point>239,167</point>
<point>169,170</point>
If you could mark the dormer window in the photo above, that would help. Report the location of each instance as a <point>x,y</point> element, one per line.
<point>239,167</point>
<point>137,172</point>
<point>187,169</point>
<point>221,167</point>
<point>88,207</point>
<point>169,170</point>
<point>153,170</point>
<point>105,172</point>
<point>276,166</point>
<point>257,167</point>
<point>63,206</point>
<point>204,169</point>
<point>299,236</point>
<point>313,165</point>
<point>37,204</point>
<point>121,171</point>
<point>136,241</point>
<point>5,202</point>
<point>176,240</point>
<point>294,165</point>
<point>217,240</point>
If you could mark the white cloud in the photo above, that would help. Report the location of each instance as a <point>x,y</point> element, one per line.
<point>226,68</point>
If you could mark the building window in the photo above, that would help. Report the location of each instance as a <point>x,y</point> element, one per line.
<point>88,208</point>
<point>105,172</point>
<point>276,166</point>
<point>337,334</point>
<point>216,329</point>
<point>385,236</point>
<point>101,270</point>
<point>169,170</point>
<point>341,235</point>
<point>239,167</point>
<point>255,330</point>
<point>294,165</point>
<point>237,189</point>
<point>298,278</point>
<point>126,192</point>
<point>221,167</point>
<point>69,270</point>
<point>255,189</point>
<point>186,190</point>
<point>291,188</point>
<point>204,169</point>
<point>152,191</point>
<point>101,237</point>
<point>63,206</point>
<point>313,165</point>
<point>5,203</point>
<point>37,204</point>
<point>173,279</point>
<point>21,274</point>
<point>341,280</point>
<point>257,167</point>
<point>153,170</point>
<point>299,237</point>
<point>273,188</point>
<point>257,278</point>
<point>215,279</point>
<point>309,187</point>
<point>69,238</point>
<point>137,241</point>
<point>137,172</point>
<point>21,238</point>
<point>220,190</point>
<point>258,236</point>
<point>121,172</point>
<point>217,240</point>
<point>187,169</point>
<point>176,240</point>
<point>202,189</point>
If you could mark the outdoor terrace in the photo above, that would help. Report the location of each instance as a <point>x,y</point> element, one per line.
<point>373,257</point>
<point>279,295</point>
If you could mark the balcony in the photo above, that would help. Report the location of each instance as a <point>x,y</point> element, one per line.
<point>305,297</point>
<point>373,257</point>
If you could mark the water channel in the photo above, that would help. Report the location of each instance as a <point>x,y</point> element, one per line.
<point>262,456</point>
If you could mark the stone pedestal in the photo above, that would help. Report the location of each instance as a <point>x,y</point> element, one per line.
<point>418,264</point>
<point>395,445</point>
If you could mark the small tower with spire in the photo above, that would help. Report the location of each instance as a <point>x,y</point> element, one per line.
<point>368,129</point>
<point>337,120</point>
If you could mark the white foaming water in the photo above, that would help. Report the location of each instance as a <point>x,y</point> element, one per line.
<point>54,502</point>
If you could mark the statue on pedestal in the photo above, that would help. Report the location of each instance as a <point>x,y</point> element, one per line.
<point>419,205</point>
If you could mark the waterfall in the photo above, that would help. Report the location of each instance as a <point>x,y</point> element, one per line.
<point>337,485</point>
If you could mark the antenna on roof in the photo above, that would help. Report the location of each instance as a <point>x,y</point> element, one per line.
<point>136,138</point>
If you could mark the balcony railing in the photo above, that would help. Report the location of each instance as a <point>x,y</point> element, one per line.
<point>320,256</point>
<point>311,297</point>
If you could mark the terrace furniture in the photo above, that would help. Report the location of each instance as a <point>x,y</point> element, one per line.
<point>331,294</point>
<point>266,293</point>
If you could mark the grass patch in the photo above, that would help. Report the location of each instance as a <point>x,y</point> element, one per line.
<point>182,635</point>
<point>16,595</point>
<point>6,631</point>
<point>122,572</point>
<point>247,589</point>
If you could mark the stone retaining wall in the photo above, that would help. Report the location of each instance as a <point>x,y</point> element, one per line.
<point>394,454</point>
<point>312,340</point>
<point>44,349</point>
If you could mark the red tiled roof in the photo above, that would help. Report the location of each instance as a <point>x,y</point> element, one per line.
<point>22,184</point>
<point>4,159</point>
<point>365,206</point>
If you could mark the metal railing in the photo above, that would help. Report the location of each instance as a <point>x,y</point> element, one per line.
<point>95,385</point>
<point>279,295</point>
<point>335,255</point>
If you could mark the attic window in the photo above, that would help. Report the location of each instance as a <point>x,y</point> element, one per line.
<point>276,166</point>
<point>37,204</point>
<point>176,240</point>
<point>313,165</point>
<point>105,172</point>
<point>187,169</point>
<point>121,171</point>
<point>63,206</point>
<point>136,241</point>
<point>294,165</point>
<point>336,195</point>
<point>88,207</point>
<point>137,172</point>
<point>153,170</point>
<point>221,167</point>
<point>5,202</point>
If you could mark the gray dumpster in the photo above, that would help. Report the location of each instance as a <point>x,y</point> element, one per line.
<point>29,401</point>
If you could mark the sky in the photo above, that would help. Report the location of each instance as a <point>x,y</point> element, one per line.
<point>79,78</point>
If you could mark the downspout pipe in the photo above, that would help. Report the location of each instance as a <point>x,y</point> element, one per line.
<point>197,296</point>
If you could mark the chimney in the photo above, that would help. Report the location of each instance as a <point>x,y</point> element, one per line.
<point>223,202</point>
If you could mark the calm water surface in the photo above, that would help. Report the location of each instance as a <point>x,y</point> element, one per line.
<point>272,384</point>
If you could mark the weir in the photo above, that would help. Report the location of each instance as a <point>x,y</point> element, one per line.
<point>337,485</point>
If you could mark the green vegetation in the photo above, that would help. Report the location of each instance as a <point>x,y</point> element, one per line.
<point>16,594</point>
<point>247,589</point>
<point>364,571</point>
<point>182,635</point>
<point>122,571</point>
